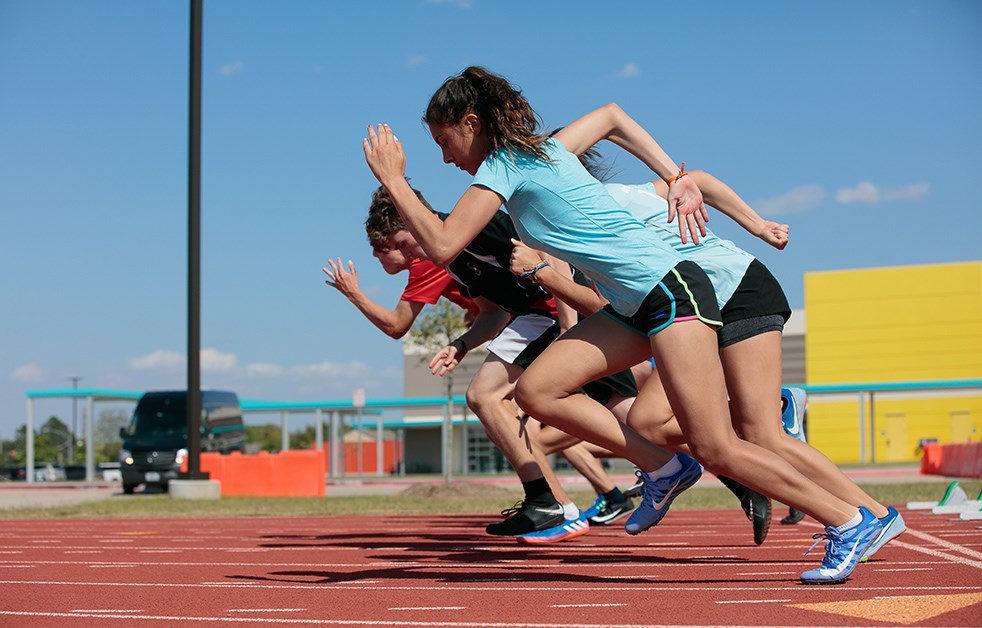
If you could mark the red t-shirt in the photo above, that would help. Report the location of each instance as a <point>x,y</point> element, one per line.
<point>428,282</point>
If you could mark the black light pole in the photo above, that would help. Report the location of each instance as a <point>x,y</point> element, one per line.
<point>194,250</point>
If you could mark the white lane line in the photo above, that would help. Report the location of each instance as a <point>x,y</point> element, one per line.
<point>752,601</point>
<point>427,608</point>
<point>171,619</point>
<point>586,605</point>
<point>110,566</point>
<point>908,569</point>
<point>105,610</point>
<point>283,585</point>
<point>360,582</point>
<point>946,544</point>
<point>768,573</point>
<point>159,551</point>
<point>939,554</point>
<point>236,564</point>
<point>266,610</point>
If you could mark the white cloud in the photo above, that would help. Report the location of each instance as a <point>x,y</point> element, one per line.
<point>236,67</point>
<point>164,363</point>
<point>30,372</point>
<point>460,4</point>
<point>159,359</point>
<point>867,192</point>
<point>260,369</point>
<point>212,360</point>
<point>628,71</point>
<point>332,369</point>
<point>215,361</point>
<point>796,201</point>
<point>415,60</point>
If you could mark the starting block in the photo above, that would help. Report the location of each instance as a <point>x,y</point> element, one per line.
<point>954,501</point>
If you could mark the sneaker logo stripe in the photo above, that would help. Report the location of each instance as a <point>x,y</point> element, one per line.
<point>660,503</point>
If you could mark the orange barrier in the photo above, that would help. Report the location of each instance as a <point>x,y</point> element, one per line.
<point>391,457</point>
<point>963,460</point>
<point>299,473</point>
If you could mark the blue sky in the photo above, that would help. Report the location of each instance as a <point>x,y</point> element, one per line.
<point>855,122</point>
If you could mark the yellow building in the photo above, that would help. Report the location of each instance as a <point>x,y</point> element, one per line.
<point>893,358</point>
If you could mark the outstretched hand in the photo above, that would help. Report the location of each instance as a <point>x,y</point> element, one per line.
<point>444,361</point>
<point>346,281</point>
<point>774,234</point>
<point>685,199</point>
<point>384,154</point>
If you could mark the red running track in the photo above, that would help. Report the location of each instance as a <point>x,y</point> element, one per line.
<point>696,568</point>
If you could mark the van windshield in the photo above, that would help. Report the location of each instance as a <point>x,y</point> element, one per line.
<point>162,416</point>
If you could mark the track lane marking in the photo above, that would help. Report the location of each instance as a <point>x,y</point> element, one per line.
<point>428,608</point>
<point>939,554</point>
<point>343,622</point>
<point>524,588</point>
<point>586,605</point>
<point>946,544</point>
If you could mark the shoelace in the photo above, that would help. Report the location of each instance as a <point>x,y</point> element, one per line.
<point>514,510</point>
<point>820,538</point>
<point>829,545</point>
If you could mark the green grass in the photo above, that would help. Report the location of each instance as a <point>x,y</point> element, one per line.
<point>161,505</point>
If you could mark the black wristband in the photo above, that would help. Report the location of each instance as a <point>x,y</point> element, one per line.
<point>463,345</point>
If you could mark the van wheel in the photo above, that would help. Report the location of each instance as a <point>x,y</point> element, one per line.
<point>128,488</point>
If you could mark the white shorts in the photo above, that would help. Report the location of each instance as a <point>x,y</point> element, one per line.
<point>524,339</point>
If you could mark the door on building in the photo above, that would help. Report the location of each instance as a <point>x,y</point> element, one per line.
<point>962,426</point>
<point>896,438</point>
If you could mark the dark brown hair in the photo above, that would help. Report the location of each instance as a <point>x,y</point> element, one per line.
<point>384,219</point>
<point>506,116</point>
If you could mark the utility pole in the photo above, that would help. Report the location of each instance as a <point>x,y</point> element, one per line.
<point>71,444</point>
<point>194,249</point>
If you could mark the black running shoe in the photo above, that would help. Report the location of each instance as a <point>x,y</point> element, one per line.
<point>612,511</point>
<point>634,490</point>
<point>525,517</point>
<point>794,516</point>
<point>757,507</point>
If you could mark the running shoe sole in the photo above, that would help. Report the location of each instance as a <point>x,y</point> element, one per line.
<point>563,532</point>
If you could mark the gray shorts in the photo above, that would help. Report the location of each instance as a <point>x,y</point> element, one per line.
<point>732,333</point>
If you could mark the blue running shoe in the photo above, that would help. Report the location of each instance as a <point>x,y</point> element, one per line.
<point>843,548</point>
<point>893,526</point>
<point>793,415</point>
<point>595,509</point>
<point>569,529</point>
<point>657,495</point>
